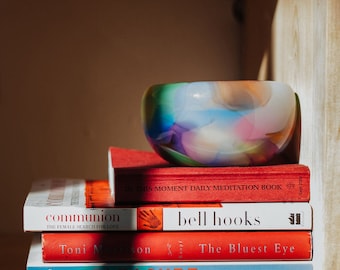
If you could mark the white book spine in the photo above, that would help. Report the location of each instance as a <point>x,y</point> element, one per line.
<point>79,219</point>
<point>240,216</point>
<point>245,216</point>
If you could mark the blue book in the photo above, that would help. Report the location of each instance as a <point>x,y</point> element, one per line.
<point>35,262</point>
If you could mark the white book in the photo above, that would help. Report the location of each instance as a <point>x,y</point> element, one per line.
<point>81,205</point>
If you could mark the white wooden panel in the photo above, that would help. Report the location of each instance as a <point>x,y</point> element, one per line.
<point>305,55</point>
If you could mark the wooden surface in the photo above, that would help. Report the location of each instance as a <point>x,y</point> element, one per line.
<point>298,58</point>
<point>14,250</point>
<point>306,55</point>
<point>332,143</point>
<point>304,52</point>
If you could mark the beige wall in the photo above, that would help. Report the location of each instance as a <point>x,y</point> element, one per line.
<point>73,73</point>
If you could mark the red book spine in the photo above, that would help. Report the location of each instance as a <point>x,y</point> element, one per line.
<point>176,246</point>
<point>279,183</point>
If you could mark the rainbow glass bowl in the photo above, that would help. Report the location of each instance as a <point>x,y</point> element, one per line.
<point>219,123</point>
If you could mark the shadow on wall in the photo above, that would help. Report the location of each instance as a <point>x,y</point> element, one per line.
<point>72,77</point>
<point>256,39</point>
<point>257,18</point>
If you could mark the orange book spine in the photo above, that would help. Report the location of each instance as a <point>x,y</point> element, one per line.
<point>137,176</point>
<point>159,186</point>
<point>176,246</point>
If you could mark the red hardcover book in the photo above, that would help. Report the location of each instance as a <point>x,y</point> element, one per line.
<point>137,176</point>
<point>176,246</point>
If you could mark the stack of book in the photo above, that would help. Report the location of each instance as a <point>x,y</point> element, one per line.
<point>151,215</point>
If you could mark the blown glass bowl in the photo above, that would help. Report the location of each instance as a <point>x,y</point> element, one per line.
<point>219,123</point>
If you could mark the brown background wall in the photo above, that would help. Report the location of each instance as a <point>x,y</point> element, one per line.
<point>73,73</point>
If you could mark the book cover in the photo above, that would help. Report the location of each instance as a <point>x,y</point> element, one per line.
<point>176,246</point>
<point>83,205</point>
<point>34,262</point>
<point>143,177</point>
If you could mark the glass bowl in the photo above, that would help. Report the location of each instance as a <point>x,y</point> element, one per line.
<point>219,123</point>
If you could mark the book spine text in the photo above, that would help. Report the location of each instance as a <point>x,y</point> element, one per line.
<point>189,217</point>
<point>176,246</point>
